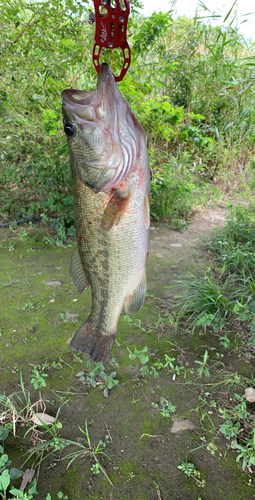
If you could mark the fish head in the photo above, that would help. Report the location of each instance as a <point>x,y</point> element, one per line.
<point>102,132</point>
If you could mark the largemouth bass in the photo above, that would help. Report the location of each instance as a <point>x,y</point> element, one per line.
<point>111,183</point>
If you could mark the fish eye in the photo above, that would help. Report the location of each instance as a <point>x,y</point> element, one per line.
<point>69,129</point>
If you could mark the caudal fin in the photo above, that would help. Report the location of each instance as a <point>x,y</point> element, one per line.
<point>93,343</point>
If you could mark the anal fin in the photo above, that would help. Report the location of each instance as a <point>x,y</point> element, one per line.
<point>97,345</point>
<point>135,300</point>
<point>77,273</point>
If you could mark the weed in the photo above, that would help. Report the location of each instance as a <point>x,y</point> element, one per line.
<point>204,299</point>
<point>168,363</point>
<point>31,493</point>
<point>166,408</point>
<point>67,316</point>
<point>96,376</point>
<point>109,382</point>
<point>203,368</point>
<point>238,419</point>
<point>9,283</point>
<point>88,450</point>
<point>134,322</point>
<point>16,408</point>
<point>10,247</point>
<point>24,236</point>
<point>191,471</point>
<point>6,474</point>
<point>61,237</point>
<point>56,364</point>
<point>131,475</point>
<point>233,244</point>
<point>141,354</point>
<point>245,453</point>
<point>77,357</point>
<point>225,341</point>
<point>95,468</point>
<point>238,428</point>
<point>156,366</point>
<point>38,378</point>
<point>53,445</point>
<point>29,306</point>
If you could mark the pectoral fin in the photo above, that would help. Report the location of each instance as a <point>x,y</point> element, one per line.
<point>115,210</point>
<point>135,300</point>
<point>77,273</point>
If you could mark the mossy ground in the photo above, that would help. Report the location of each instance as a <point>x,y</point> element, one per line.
<point>143,453</point>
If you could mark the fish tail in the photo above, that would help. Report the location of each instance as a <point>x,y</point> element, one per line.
<point>97,345</point>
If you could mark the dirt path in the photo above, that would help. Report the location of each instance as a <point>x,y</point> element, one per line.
<point>145,446</point>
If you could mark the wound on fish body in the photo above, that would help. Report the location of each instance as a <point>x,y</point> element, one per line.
<point>111,184</point>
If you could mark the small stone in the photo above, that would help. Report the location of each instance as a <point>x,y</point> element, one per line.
<point>250,394</point>
<point>73,316</point>
<point>42,418</point>
<point>159,255</point>
<point>27,478</point>
<point>52,283</point>
<point>182,426</point>
<point>177,245</point>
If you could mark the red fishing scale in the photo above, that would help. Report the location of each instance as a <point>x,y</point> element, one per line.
<point>111,31</point>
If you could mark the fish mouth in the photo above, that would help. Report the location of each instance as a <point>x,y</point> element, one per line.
<point>77,105</point>
<point>84,97</point>
<point>85,103</point>
<point>77,97</point>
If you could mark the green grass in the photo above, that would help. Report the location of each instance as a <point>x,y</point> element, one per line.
<point>233,245</point>
<point>223,296</point>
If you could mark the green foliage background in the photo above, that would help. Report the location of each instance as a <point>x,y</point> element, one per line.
<point>190,85</point>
